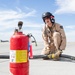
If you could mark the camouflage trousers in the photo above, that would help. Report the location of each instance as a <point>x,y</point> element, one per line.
<point>53,46</point>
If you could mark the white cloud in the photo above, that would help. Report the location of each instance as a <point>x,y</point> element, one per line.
<point>10,18</point>
<point>65,6</point>
<point>31,24</point>
<point>70,33</point>
<point>70,26</point>
<point>12,14</point>
<point>7,16</point>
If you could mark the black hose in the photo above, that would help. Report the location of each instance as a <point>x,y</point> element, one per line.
<point>34,40</point>
<point>41,56</point>
<point>45,56</point>
<point>67,56</point>
<point>30,35</point>
<point>4,56</point>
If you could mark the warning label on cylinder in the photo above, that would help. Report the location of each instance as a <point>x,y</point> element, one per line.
<point>18,56</point>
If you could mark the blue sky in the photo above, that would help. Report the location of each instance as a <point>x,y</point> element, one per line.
<point>30,12</point>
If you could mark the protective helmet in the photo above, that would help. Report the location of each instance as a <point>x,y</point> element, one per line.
<point>49,15</point>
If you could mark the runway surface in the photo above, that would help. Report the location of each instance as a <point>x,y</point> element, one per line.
<point>39,66</point>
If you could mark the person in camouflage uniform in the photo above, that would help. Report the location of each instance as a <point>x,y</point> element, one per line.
<point>53,35</point>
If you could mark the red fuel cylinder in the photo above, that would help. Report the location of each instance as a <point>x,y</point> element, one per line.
<point>19,62</point>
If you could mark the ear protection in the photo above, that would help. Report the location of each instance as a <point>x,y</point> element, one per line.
<point>52,19</point>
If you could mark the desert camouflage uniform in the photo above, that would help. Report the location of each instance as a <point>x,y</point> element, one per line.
<point>54,38</point>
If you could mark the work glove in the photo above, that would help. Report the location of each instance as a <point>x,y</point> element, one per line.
<point>56,55</point>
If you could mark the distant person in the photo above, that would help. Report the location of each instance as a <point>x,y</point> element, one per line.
<point>54,37</point>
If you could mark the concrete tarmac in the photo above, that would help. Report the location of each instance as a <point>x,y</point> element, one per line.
<point>39,66</point>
